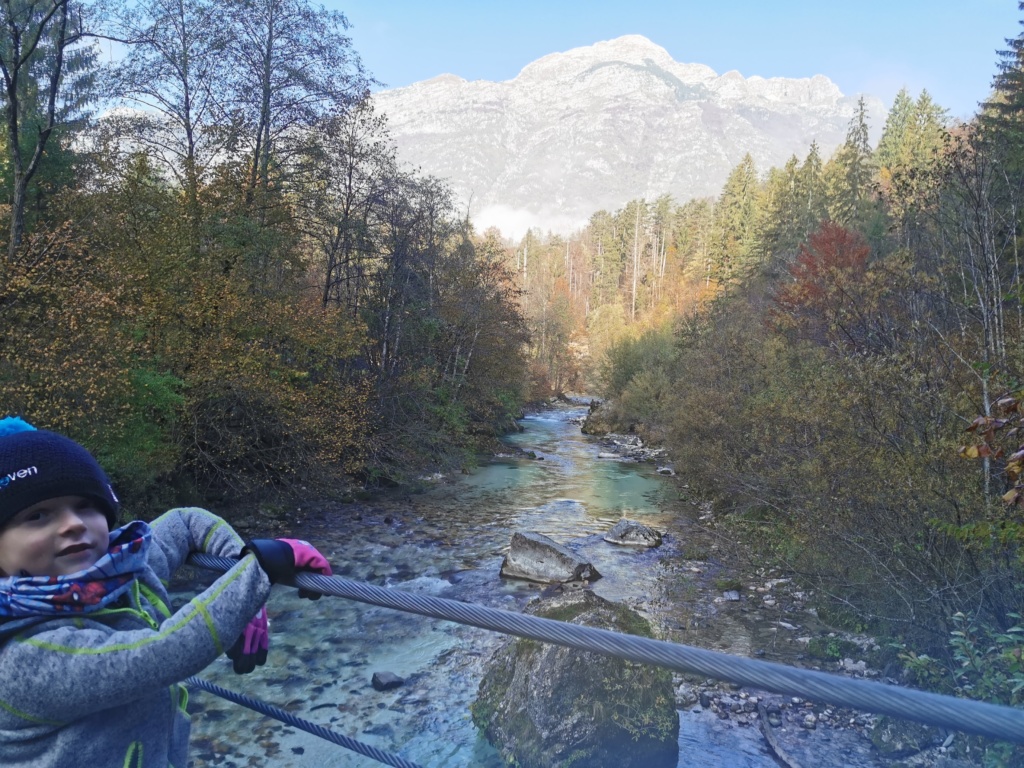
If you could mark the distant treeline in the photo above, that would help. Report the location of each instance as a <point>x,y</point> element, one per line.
<point>650,262</point>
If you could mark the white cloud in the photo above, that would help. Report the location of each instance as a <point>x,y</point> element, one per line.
<point>514,222</point>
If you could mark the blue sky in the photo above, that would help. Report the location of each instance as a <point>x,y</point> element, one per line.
<point>865,46</point>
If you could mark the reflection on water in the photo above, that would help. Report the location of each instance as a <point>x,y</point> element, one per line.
<point>605,489</point>
<point>447,542</point>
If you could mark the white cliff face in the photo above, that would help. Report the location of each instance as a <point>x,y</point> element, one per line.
<point>595,127</point>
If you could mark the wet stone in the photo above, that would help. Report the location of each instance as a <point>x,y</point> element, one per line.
<point>386,681</point>
<point>686,697</point>
<point>536,557</point>
<point>630,533</point>
<point>901,738</point>
<point>551,706</point>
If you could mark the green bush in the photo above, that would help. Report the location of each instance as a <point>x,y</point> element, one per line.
<point>655,350</point>
<point>143,449</point>
<point>645,397</point>
<point>983,664</point>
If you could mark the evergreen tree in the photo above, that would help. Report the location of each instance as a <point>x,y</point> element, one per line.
<point>930,122</point>
<point>780,206</point>
<point>1003,112</point>
<point>898,122</point>
<point>734,242</point>
<point>849,172</point>
<point>811,192</point>
<point>632,226</point>
<point>47,85</point>
<point>909,155</point>
<point>605,259</point>
<point>693,238</point>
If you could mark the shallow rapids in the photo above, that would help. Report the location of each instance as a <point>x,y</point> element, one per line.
<point>449,541</point>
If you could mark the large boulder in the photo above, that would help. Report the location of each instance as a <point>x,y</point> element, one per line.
<point>535,557</point>
<point>599,420</point>
<point>544,705</point>
<point>630,533</point>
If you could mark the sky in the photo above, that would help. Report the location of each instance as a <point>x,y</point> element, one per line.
<point>873,47</point>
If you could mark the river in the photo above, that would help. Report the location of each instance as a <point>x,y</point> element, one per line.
<point>449,541</point>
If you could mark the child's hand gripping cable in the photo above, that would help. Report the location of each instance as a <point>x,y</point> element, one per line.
<point>283,558</point>
<point>250,649</point>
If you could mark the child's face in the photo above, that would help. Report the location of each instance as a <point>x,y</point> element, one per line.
<point>55,537</point>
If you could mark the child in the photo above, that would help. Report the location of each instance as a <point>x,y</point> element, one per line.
<point>90,654</point>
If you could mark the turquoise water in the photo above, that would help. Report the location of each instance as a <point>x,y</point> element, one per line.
<point>447,542</point>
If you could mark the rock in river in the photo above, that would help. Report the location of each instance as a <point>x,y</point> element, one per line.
<point>385,681</point>
<point>535,557</point>
<point>633,534</point>
<point>545,705</point>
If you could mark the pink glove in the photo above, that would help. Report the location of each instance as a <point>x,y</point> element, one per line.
<point>281,559</point>
<point>250,649</point>
<point>307,558</point>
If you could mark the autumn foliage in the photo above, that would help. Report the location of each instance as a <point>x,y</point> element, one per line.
<point>826,280</point>
<point>832,255</point>
<point>818,397</point>
<point>236,291</point>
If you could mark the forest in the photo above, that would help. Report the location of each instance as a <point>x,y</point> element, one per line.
<point>219,276</point>
<point>223,281</point>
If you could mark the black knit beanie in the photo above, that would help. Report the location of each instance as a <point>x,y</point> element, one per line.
<point>36,465</point>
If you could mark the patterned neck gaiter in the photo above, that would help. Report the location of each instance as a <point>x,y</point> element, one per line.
<point>83,592</point>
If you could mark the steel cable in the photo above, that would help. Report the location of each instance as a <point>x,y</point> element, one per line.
<point>287,717</point>
<point>991,720</point>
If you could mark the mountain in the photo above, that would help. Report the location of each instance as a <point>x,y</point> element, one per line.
<point>595,127</point>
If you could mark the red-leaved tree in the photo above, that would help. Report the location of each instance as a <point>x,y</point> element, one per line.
<point>826,299</point>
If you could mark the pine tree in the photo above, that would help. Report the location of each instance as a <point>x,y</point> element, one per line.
<point>48,80</point>
<point>908,156</point>
<point>849,174</point>
<point>778,222</point>
<point>733,242</point>
<point>899,121</point>
<point>810,181</point>
<point>1003,113</point>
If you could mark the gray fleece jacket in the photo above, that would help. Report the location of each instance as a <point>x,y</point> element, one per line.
<point>102,690</point>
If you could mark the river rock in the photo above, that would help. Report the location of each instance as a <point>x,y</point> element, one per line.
<point>535,557</point>
<point>902,738</point>
<point>386,681</point>
<point>545,705</point>
<point>633,534</point>
<point>599,420</point>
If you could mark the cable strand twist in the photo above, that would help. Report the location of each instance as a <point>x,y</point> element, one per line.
<point>287,717</point>
<point>998,722</point>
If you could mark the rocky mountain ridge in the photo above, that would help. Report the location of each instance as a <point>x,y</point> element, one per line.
<point>594,127</point>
